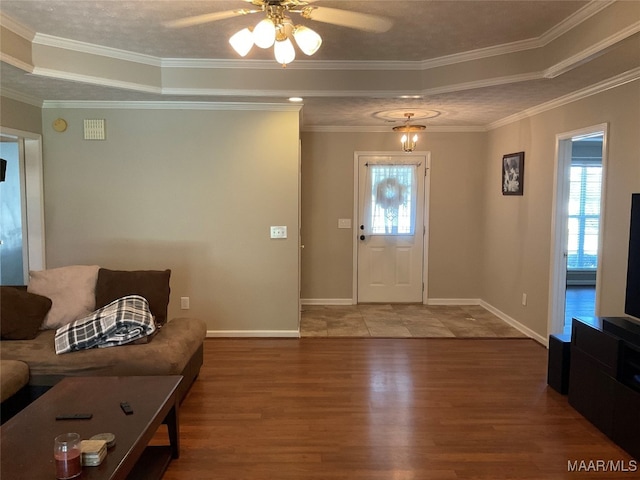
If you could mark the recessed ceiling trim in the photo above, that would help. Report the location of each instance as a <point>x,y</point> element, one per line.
<point>297,65</point>
<point>589,10</point>
<point>16,27</point>
<point>613,82</point>
<point>26,67</point>
<point>589,53</point>
<point>52,41</point>
<point>489,82</point>
<point>21,97</point>
<point>104,82</point>
<point>171,105</point>
<point>454,87</point>
<point>377,129</point>
<point>93,49</point>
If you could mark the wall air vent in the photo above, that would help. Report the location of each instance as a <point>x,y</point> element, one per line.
<point>94,129</point>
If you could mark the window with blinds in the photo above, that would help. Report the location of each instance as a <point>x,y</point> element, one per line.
<point>584,214</point>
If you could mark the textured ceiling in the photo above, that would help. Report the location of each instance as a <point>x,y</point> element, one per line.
<point>422,30</point>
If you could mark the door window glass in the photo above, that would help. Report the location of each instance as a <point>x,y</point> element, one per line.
<point>391,199</point>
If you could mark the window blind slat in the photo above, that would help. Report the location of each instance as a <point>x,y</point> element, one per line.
<point>584,216</point>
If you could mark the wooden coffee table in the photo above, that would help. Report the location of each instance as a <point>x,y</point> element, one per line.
<point>26,443</point>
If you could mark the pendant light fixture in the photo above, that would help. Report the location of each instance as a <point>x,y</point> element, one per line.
<point>409,138</point>
<point>277,31</point>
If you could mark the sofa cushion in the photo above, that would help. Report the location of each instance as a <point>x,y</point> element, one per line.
<point>15,375</point>
<point>150,284</point>
<point>167,354</point>
<point>71,289</point>
<point>21,313</point>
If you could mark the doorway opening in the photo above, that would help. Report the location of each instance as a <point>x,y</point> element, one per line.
<point>580,162</point>
<point>12,223</point>
<point>22,203</point>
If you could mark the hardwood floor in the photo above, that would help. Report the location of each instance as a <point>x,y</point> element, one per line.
<point>387,409</point>
<point>579,302</point>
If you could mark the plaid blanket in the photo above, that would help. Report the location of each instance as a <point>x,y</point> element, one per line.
<point>122,321</point>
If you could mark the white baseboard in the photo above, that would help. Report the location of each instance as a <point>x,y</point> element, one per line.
<point>326,301</point>
<point>515,324</point>
<point>253,333</point>
<point>453,301</point>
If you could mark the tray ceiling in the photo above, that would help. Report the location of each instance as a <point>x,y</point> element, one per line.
<point>475,62</point>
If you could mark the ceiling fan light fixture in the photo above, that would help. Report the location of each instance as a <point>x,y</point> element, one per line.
<point>264,35</point>
<point>307,39</point>
<point>284,51</point>
<point>242,41</point>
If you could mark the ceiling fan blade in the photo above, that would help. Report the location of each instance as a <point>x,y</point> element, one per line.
<point>206,18</point>
<point>345,18</point>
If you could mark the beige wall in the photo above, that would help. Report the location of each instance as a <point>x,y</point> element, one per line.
<point>455,217</point>
<point>185,190</point>
<point>20,116</point>
<point>482,245</point>
<point>517,230</point>
<point>194,191</point>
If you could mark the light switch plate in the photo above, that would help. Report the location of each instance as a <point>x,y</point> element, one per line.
<point>279,232</point>
<point>344,223</point>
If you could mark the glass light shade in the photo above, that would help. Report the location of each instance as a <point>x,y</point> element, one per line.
<point>308,40</point>
<point>265,33</point>
<point>284,51</point>
<point>242,41</point>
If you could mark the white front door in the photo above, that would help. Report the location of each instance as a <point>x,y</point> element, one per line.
<point>390,228</point>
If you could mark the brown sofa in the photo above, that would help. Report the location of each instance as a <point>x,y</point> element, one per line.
<point>175,348</point>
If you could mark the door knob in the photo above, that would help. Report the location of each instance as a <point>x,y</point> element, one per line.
<point>362,237</point>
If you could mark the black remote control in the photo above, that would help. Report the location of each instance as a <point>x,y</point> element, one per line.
<point>74,416</point>
<point>126,408</point>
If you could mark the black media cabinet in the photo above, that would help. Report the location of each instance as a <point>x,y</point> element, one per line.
<point>604,377</point>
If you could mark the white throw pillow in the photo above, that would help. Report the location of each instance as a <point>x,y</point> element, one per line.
<point>72,291</point>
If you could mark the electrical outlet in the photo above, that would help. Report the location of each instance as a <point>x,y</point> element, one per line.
<point>184,303</point>
<point>279,232</point>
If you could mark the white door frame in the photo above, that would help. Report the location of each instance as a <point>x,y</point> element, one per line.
<point>356,233</point>
<point>559,220</point>
<point>34,195</point>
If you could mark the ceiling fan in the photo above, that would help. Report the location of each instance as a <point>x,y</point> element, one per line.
<point>278,28</point>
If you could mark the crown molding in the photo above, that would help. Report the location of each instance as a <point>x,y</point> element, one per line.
<point>589,10</point>
<point>248,64</point>
<point>454,87</point>
<point>170,105</point>
<point>103,82</point>
<point>26,67</point>
<point>380,129</point>
<point>93,49</point>
<point>587,54</point>
<point>489,82</point>
<point>613,82</point>
<point>16,27</point>
<point>21,97</point>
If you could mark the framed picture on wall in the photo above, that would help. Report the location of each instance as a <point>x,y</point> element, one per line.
<point>513,173</point>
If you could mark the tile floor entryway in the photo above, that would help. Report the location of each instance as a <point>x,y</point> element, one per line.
<point>403,320</point>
